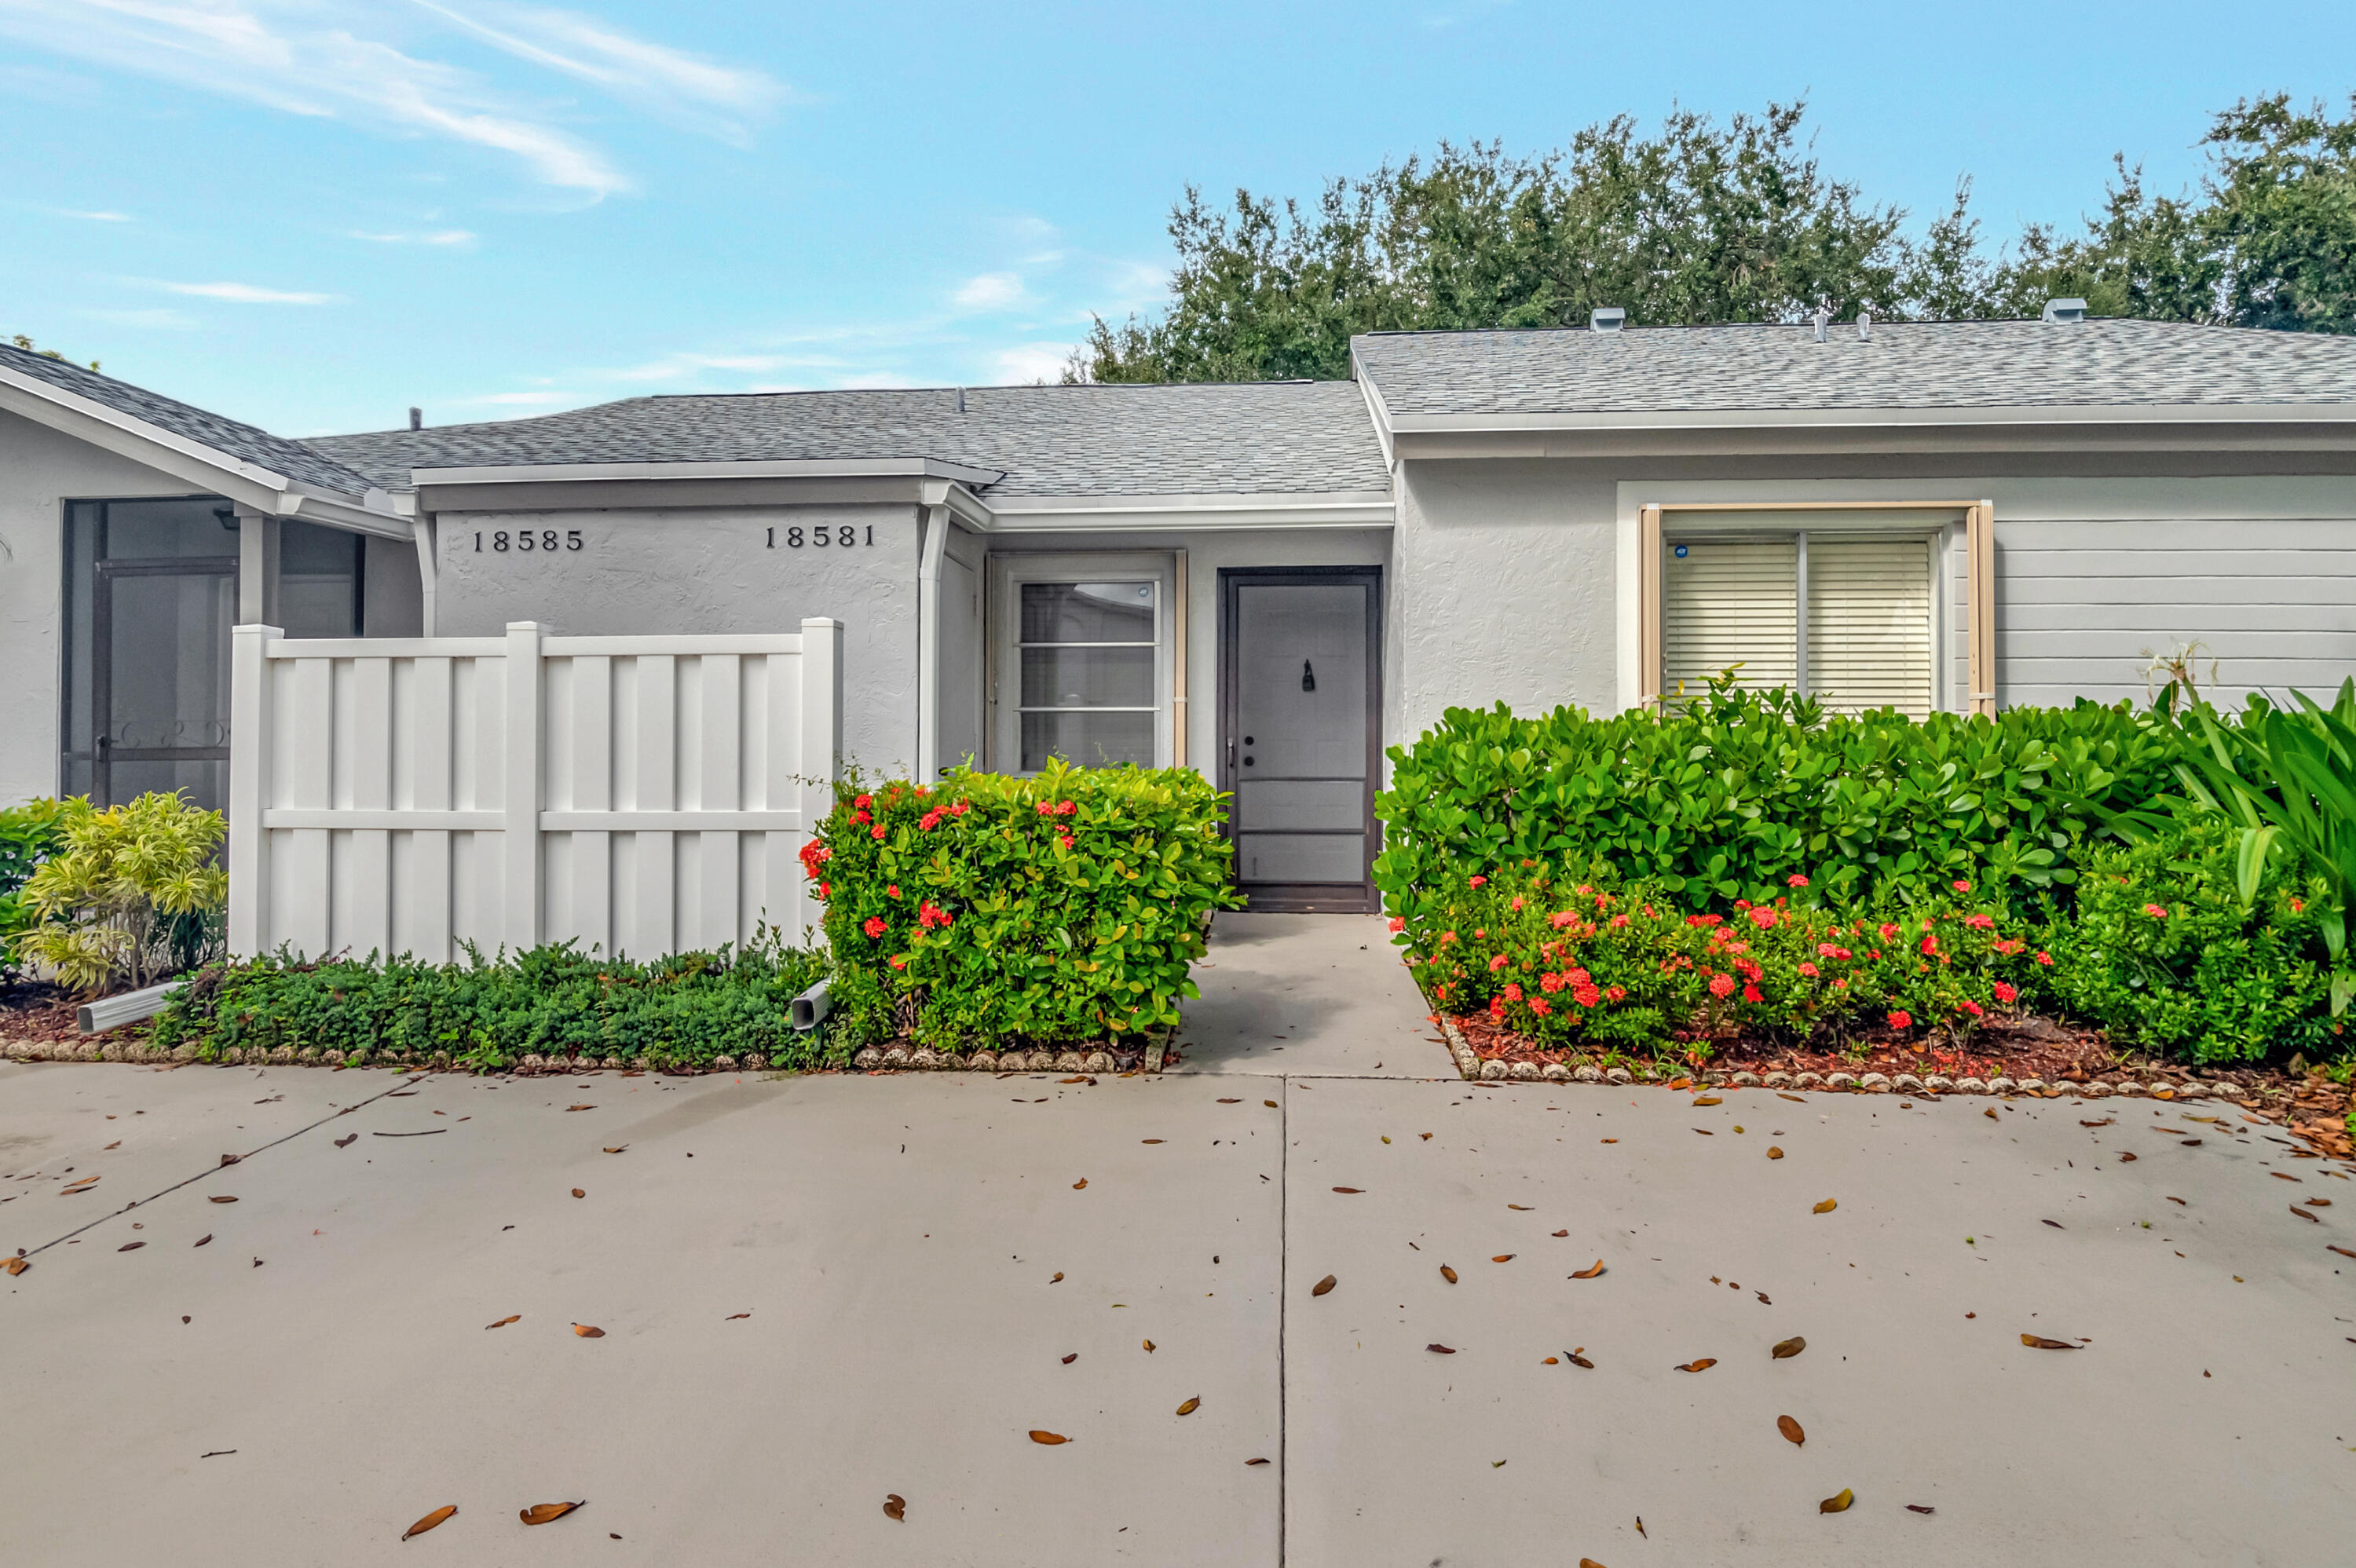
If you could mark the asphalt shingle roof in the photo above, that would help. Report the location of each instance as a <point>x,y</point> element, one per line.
<point>1275,437</point>
<point>304,464</point>
<point>1905,364</point>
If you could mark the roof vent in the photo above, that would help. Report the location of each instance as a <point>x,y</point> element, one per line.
<point>1865,325</point>
<point>1606,318</point>
<point>2065,310</point>
<point>417,419</point>
<point>961,400</point>
<point>1823,318</point>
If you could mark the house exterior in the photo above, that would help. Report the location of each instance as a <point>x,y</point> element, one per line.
<point>1270,583</point>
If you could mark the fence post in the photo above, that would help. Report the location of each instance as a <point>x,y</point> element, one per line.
<point>819,758</point>
<point>520,800</point>
<point>248,788</point>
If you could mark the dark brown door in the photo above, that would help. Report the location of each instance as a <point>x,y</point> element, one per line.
<point>1301,704</point>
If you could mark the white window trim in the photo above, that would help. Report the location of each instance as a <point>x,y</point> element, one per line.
<point>1003,721</point>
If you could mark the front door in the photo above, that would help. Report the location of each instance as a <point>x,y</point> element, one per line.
<point>1300,675</point>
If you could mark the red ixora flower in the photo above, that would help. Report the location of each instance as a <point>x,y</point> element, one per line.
<point>930,821</point>
<point>1796,881</point>
<point>1980,921</point>
<point>2045,959</point>
<point>1721,985</point>
<point>1540,1006</point>
<point>2004,993</point>
<point>2156,911</point>
<point>1513,991</point>
<point>824,891</point>
<point>1750,994</point>
<point>931,914</point>
<point>1962,886</point>
<point>1973,1009</point>
<point>1901,1020</point>
<point>1888,932</point>
<point>877,831</point>
<point>1399,922</point>
<point>873,926</point>
<point>1762,917</point>
<point>863,802</point>
<point>1808,970</point>
<point>814,854</point>
<point>1477,881</point>
<point>1496,963</point>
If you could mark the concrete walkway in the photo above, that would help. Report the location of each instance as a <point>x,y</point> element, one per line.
<point>896,1243</point>
<point>1309,996</point>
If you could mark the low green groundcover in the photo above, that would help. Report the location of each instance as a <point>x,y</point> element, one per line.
<point>991,910</point>
<point>677,1011</point>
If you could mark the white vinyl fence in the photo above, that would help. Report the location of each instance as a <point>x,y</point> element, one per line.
<point>639,794</point>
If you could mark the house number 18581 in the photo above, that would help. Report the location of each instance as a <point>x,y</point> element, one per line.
<point>823,536</point>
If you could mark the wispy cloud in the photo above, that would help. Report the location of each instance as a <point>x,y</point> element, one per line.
<point>336,59</point>
<point>1030,363</point>
<point>246,293</point>
<point>95,217</point>
<point>518,400</point>
<point>688,90</point>
<point>437,237</point>
<point>158,320</point>
<point>991,291</point>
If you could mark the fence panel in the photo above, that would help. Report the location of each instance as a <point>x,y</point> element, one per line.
<point>638,795</point>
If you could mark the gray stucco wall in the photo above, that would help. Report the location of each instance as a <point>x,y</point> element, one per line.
<point>704,570</point>
<point>392,591</point>
<point>40,470</point>
<point>1502,587</point>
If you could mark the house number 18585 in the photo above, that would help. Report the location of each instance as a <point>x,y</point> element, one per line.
<point>823,536</point>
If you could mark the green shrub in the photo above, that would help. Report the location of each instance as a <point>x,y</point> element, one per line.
<point>680,1011</point>
<point>29,834</point>
<point>2163,954</point>
<point>1585,960</point>
<point>1045,910</point>
<point>1741,789</point>
<point>135,893</point>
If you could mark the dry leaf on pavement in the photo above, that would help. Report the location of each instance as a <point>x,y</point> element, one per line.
<point>1839,1503</point>
<point>511,1317</point>
<point>1827,1206</point>
<point>1790,1429</point>
<point>1590,1272</point>
<point>2039,1342</point>
<point>430,1520</point>
<point>1448,1274</point>
<point>895,1506</point>
<point>1774,1151</point>
<point>588,1331</point>
<point>1440,1350</point>
<point>542,1513</point>
<point>1190,1406</point>
<point>1785,1349</point>
<point>1321,1286</point>
<point>1701,1366</point>
<point>1048,1438</point>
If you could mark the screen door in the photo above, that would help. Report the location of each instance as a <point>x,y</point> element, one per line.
<point>1301,685</point>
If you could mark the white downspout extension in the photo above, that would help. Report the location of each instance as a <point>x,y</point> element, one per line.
<point>1182,606</point>
<point>929,644</point>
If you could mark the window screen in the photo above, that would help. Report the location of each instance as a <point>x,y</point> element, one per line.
<point>1845,618</point>
<point>1088,680</point>
<point>1729,603</point>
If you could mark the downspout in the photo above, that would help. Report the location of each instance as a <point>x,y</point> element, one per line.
<point>1180,606</point>
<point>929,644</point>
<point>422,530</point>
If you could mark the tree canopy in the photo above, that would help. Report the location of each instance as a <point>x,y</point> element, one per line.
<point>1707,222</point>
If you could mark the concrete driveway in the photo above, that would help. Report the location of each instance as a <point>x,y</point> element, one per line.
<point>896,1243</point>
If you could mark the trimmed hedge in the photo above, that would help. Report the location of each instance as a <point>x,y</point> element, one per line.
<point>1743,789</point>
<point>680,1010</point>
<point>991,910</point>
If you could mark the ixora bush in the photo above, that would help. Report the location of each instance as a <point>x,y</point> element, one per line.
<point>1590,962</point>
<point>2163,952</point>
<point>993,910</point>
<point>133,894</point>
<point>1739,790</point>
<point>29,834</point>
<point>682,1010</point>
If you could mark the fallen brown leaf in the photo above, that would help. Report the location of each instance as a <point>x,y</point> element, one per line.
<point>230,1158</point>
<point>1786,1349</point>
<point>1611,1141</point>
<point>1708,1100</point>
<point>2105,1121</point>
<point>78,1186</point>
<point>1190,1406</point>
<point>580,1107</point>
<point>1248,1463</point>
<point>2328,1247</point>
<point>618,1150</point>
<point>1791,1430</point>
<point>895,1506</point>
<point>14,1266</point>
<point>134,1246</point>
<point>1149,1346</point>
<point>1795,1099</point>
<point>1521,1208</point>
<point>221,1197</point>
<point>348,1140</point>
<point>734,1317</point>
<point>1058,1279</point>
<point>1991,1115</point>
<point>1503,1258</point>
<point>1590,1272</point>
<point>1559,1233</point>
<point>2303,1214</point>
<point>1448,1274</point>
<point>1439,1349</point>
<point>1576,1359</point>
<point>1589,1563</point>
<point>588,1331</point>
<point>1701,1366</point>
<point>579,1192</point>
<point>1551,1361</point>
<point>1425,1136</point>
<point>1919,1507</point>
<point>430,1520</point>
<point>2055,1223</point>
<point>1706,1132</point>
<point>1827,1206</point>
<point>1839,1503</point>
<point>1269,1103</point>
<point>511,1317</point>
<point>1148,1140</point>
<point>544,1513</point>
<point>116,1143</point>
<point>1321,1286</point>
<point>2039,1342</point>
<point>203,1239</point>
<point>2278,1175</point>
<point>1049,1438</point>
<point>1070,1359</point>
<point>1231,1101</point>
<point>1774,1151</point>
<point>1351,1190</point>
<point>2126,1157</point>
<point>1081,1185</point>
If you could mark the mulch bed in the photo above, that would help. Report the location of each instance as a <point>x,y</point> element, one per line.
<point>37,1010</point>
<point>2017,1048</point>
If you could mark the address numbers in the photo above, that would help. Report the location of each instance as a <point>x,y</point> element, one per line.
<point>822,535</point>
<point>524,540</point>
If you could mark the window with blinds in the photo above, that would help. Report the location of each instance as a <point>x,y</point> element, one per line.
<point>1845,618</point>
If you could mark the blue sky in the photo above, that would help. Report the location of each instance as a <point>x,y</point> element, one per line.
<point>314,213</point>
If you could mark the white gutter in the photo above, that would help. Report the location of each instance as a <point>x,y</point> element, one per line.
<point>779,468</point>
<point>1341,509</point>
<point>1574,423</point>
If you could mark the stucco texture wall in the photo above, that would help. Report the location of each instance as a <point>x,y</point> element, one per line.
<point>706,570</point>
<point>40,470</point>
<point>1501,588</point>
